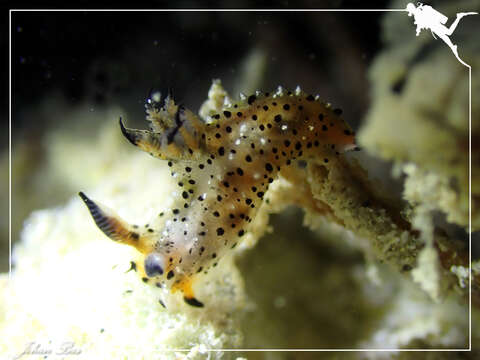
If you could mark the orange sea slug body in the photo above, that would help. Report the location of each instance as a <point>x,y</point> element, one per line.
<point>223,168</point>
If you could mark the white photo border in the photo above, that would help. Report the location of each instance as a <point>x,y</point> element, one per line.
<point>11,11</point>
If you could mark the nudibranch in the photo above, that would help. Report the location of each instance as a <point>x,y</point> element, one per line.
<point>223,165</point>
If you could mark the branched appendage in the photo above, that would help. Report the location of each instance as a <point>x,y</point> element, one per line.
<point>223,166</point>
<point>161,117</point>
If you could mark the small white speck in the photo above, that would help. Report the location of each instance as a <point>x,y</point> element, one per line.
<point>237,142</point>
<point>284,127</point>
<point>263,141</point>
<point>156,96</point>
<point>311,128</point>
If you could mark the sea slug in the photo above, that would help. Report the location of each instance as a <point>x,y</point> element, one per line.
<point>223,167</point>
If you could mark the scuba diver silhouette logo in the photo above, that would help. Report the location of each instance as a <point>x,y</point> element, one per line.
<point>427,17</point>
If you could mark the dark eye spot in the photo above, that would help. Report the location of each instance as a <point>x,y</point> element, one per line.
<point>310,98</point>
<point>221,151</point>
<point>269,167</point>
<point>286,107</point>
<point>248,158</point>
<point>154,264</point>
<point>337,111</point>
<point>254,117</point>
<point>170,274</point>
<point>398,86</point>
<point>251,99</point>
<point>265,107</point>
<point>220,231</point>
<point>228,129</point>
<point>278,118</point>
